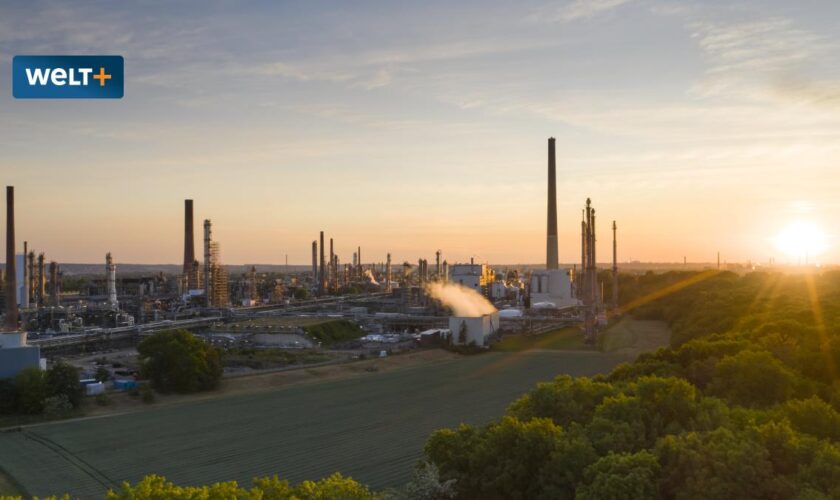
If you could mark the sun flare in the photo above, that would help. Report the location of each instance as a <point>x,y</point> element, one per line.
<point>802,239</point>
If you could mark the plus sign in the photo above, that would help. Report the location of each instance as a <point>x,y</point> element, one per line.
<point>102,76</point>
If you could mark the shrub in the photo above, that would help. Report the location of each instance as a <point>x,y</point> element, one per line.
<point>177,361</point>
<point>147,395</point>
<point>57,406</point>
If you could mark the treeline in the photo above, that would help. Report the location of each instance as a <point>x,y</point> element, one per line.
<point>743,405</point>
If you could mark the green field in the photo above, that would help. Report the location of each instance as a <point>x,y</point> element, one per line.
<point>628,336</point>
<point>567,339</point>
<point>372,428</point>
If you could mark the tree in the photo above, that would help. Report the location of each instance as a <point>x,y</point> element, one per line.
<point>425,484</point>
<point>502,460</point>
<point>177,361</point>
<point>157,487</point>
<point>31,388</point>
<point>8,397</point>
<point>63,380</point>
<point>752,378</point>
<point>564,400</point>
<point>621,476</point>
<point>717,464</point>
<point>102,374</point>
<point>813,416</point>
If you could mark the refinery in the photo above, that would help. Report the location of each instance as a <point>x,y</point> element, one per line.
<point>51,309</point>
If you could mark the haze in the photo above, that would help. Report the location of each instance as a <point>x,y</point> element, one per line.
<point>411,127</point>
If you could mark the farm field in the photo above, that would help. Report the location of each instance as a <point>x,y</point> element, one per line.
<point>628,336</point>
<point>371,427</point>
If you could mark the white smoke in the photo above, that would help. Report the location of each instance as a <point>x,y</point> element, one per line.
<point>462,300</point>
<point>370,277</point>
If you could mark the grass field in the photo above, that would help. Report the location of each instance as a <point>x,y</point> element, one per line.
<point>8,486</point>
<point>566,339</point>
<point>372,427</point>
<point>629,336</point>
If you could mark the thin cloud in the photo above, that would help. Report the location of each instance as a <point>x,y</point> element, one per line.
<point>578,9</point>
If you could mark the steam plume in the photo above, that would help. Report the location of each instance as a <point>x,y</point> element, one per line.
<point>462,300</point>
<point>370,277</point>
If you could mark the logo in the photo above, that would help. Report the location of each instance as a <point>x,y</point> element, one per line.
<point>67,77</point>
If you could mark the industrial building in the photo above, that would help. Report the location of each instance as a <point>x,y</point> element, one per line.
<point>477,331</point>
<point>474,276</point>
<point>552,287</point>
<point>15,354</point>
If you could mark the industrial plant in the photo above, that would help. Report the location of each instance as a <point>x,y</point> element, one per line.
<point>61,307</point>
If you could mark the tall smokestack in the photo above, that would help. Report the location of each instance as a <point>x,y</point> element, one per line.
<point>208,238</point>
<point>437,265</point>
<point>111,276</point>
<point>551,258</point>
<point>615,269</point>
<point>359,257</point>
<point>314,260</point>
<point>189,247</point>
<point>54,283</point>
<point>332,263</point>
<point>321,270</point>
<point>30,262</point>
<point>11,276</point>
<point>388,273</point>
<point>42,281</point>
<point>24,296</point>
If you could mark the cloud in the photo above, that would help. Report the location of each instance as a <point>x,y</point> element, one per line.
<point>578,9</point>
<point>764,59</point>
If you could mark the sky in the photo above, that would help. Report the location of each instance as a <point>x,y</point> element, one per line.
<point>407,127</point>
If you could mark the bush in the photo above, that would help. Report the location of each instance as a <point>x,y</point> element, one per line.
<point>57,406</point>
<point>63,380</point>
<point>177,361</point>
<point>334,331</point>
<point>103,399</point>
<point>147,395</point>
<point>31,388</point>
<point>102,374</point>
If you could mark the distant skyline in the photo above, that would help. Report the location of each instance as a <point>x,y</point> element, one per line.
<point>700,126</point>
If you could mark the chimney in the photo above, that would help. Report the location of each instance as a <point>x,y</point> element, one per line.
<point>24,292</point>
<point>11,276</point>
<point>111,278</point>
<point>615,269</point>
<point>551,258</point>
<point>208,238</point>
<point>30,263</point>
<point>42,281</point>
<point>189,247</point>
<point>321,270</point>
<point>388,273</point>
<point>54,284</point>
<point>332,264</point>
<point>314,260</point>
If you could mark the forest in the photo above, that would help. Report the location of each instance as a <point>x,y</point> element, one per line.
<point>743,404</point>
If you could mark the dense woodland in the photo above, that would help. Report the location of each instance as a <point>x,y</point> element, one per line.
<point>744,404</point>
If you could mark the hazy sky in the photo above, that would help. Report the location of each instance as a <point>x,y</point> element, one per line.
<point>408,127</point>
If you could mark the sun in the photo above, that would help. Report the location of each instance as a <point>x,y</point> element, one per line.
<point>802,239</point>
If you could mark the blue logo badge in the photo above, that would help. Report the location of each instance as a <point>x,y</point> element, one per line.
<point>67,77</point>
